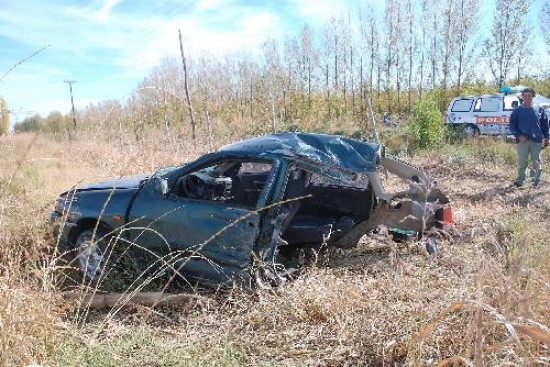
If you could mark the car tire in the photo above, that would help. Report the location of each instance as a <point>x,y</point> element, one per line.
<point>470,130</point>
<point>272,276</point>
<point>91,248</point>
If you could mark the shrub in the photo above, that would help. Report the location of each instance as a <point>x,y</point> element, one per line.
<point>426,126</point>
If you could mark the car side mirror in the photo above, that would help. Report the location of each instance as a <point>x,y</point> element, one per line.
<point>160,186</point>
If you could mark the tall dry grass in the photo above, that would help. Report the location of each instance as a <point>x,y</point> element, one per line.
<point>27,303</point>
<point>483,300</point>
<point>33,171</point>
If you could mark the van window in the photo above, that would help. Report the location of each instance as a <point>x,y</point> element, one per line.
<point>510,103</point>
<point>489,104</point>
<point>462,105</point>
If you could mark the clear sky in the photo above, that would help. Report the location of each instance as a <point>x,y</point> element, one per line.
<point>109,46</point>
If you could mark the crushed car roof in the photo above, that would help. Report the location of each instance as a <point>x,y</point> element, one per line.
<point>331,150</point>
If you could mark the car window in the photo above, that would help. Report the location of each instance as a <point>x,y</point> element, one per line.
<point>510,103</point>
<point>255,167</point>
<point>234,182</point>
<point>360,181</point>
<point>487,104</point>
<point>249,182</point>
<point>477,106</point>
<point>462,105</point>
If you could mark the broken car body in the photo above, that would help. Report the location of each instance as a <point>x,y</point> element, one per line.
<point>247,206</point>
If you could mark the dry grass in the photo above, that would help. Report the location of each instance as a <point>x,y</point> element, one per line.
<point>483,300</point>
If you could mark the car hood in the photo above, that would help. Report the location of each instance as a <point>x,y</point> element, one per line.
<point>127,182</point>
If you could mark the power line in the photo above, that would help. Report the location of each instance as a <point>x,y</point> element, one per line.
<point>23,60</point>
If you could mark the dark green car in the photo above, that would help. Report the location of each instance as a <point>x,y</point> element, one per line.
<point>240,214</point>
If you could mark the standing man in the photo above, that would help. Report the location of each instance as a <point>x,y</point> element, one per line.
<point>530,127</point>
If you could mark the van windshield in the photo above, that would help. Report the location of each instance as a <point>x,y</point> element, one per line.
<point>462,105</point>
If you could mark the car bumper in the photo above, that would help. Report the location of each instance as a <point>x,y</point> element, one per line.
<point>61,229</point>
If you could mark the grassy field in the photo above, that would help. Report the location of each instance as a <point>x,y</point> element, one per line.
<point>482,300</point>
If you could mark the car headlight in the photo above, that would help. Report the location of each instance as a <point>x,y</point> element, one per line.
<point>65,205</point>
<point>60,205</point>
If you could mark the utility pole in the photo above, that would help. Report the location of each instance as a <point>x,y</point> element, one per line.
<point>70,82</point>
<point>186,85</point>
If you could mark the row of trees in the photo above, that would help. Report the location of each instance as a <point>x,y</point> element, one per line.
<point>55,123</point>
<point>319,80</point>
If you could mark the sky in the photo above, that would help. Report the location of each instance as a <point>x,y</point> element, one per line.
<point>109,46</point>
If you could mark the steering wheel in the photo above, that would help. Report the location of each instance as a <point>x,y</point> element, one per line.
<point>193,187</point>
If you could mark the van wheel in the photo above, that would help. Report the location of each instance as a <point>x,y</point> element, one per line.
<point>470,130</point>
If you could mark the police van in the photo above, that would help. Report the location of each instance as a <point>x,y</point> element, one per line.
<point>488,114</point>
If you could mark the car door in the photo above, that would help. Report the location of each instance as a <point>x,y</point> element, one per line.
<point>489,116</point>
<point>208,222</point>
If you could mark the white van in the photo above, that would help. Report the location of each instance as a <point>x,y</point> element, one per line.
<point>488,114</point>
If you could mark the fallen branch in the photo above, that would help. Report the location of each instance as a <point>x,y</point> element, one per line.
<point>110,300</point>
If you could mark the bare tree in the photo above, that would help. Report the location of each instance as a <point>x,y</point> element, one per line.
<point>524,52</point>
<point>291,67</point>
<point>410,45</point>
<point>423,46</point>
<point>341,47</point>
<point>349,71</point>
<point>435,42</point>
<point>330,57</point>
<point>371,62</point>
<point>545,23</point>
<point>273,72</point>
<point>309,60</point>
<point>399,45</point>
<point>505,42</point>
<point>467,21</point>
<point>449,24</point>
<point>389,43</point>
<point>327,87</point>
<point>545,20</point>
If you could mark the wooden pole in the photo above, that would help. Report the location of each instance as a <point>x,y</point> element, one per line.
<point>188,99</point>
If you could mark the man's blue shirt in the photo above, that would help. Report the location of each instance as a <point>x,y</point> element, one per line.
<point>531,122</point>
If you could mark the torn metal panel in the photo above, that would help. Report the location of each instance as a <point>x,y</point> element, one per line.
<point>416,209</point>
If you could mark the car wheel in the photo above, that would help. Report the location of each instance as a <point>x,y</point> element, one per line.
<point>470,130</point>
<point>272,276</point>
<point>90,248</point>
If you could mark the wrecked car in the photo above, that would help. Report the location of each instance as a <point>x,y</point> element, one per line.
<point>237,214</point>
